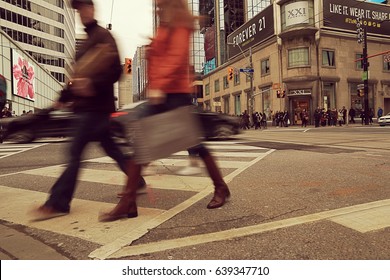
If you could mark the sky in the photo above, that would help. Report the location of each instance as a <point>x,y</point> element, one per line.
<point>131,22</point>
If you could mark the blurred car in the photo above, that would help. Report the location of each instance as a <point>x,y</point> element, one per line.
<point>216,126</point>
<point>58,123</point>
<point>384,120</point>
<point>44,123</point>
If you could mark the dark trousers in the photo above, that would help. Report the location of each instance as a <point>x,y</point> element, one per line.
<point>89,127</point>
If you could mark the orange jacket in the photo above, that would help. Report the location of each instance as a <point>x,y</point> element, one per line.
<point>168,60</point>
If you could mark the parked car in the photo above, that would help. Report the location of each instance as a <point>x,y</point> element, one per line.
<point>384,120</point>
<point>59,123</point>
<point>215,125</point>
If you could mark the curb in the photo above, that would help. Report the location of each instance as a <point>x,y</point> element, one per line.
<point>16,245</point>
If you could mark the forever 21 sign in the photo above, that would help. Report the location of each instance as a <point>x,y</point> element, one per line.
<point>251,33</point>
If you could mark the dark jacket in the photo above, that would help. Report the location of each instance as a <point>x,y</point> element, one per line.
<point>103,83</point>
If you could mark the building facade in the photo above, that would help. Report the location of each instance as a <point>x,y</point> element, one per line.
<point>306,50</point>
<point>30,86</point>
<point>45,29</point>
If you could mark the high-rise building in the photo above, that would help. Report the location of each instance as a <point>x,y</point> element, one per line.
<point>45,29</point>
<point>221,18</point>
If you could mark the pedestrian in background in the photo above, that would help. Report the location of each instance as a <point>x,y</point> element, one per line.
<point>352,114</point>
<point>340,117</point>
<point>304,118</point>
<point>380,112</point>
<point>93,100</point>
<point>169,88</point>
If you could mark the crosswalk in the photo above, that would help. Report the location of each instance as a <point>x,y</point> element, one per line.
<point>7,150</point>
<point>102,174</point>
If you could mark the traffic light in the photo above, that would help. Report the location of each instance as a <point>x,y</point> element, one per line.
<point>230,73</point>
<point>360,30</point>
<point>128,62</point>
<point>360,92</point>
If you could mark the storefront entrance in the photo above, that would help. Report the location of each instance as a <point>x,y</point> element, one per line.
<point>297,106</point>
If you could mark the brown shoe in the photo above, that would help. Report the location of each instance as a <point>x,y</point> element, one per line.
<point>119,212</point>
<point>44,212</point>
<point>221,195</point>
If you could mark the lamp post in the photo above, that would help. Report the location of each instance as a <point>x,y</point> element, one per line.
<point>362,38</point>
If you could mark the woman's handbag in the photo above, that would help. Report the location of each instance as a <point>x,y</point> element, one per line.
<point>161,135</point>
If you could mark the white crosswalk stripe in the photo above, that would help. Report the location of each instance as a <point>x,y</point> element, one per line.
<point>7,150</point>
<point>82,221</point>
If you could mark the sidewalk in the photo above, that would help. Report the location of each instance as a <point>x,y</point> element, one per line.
<point>15,245</point>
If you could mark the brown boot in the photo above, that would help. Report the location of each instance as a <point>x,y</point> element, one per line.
<point>127,206</point>
<point>221,193</point>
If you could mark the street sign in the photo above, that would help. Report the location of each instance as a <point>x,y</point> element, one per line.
<point>365,75</point>
<point>247,70</point>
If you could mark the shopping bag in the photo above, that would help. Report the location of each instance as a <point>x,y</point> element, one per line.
<point>161,135</point>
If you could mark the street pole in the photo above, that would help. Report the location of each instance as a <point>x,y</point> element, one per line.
<point>365,76</point>
<point>251,82</point>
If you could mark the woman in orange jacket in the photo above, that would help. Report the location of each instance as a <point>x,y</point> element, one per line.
<point>169,87</point>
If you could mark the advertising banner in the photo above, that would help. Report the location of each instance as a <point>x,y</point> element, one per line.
<point>3,92</point>
<point>342,14</point>
<point>297,13</point>
<point>255,31</point>
<point>23,77</point>
<point>209,43</point>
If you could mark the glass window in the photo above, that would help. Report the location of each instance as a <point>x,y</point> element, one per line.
<point>207,89</point>
<point>248,77</point>
<point>265,67</point>
<point>225,82</point>
<point>216,85</point>
<point>386,62</point>
<point>236,78</point>
<point>298,57</point>
<point>359,64</point>
<point>328,58</point>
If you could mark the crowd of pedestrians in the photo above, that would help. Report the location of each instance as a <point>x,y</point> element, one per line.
<point>320,117</point>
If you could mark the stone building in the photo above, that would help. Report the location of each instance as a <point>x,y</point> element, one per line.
<point>306,50</point>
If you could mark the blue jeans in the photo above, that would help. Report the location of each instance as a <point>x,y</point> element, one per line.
<point>90,126</point>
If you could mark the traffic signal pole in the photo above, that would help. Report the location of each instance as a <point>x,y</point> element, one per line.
<point>365,70</point>
<point>251,82</point>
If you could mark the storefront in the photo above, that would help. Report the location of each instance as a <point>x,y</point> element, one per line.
<point>299,99</point>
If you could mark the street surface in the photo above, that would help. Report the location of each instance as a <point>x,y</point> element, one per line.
<point>297,193</point>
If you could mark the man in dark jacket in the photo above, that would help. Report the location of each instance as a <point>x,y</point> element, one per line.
<point>93,98</point>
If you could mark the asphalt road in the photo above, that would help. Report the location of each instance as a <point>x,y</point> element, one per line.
<point>304,194</point>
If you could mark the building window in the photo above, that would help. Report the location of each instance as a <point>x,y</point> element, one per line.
<point>248,77</point>
<point>207,89</point>
<point>225,82</point>
<point>216,85</point>
<point>386,63</point>
<point>359,63</point>
<point>328,59</point>
<point>226,105</point>
<point>265,67</point>
<point>236,78</point>
<point>298,57</point>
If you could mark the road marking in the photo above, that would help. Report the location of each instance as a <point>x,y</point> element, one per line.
<point>366,220</point>
<point>107,250</point>
<point>341,214</point>
<point>77,224</point>
<point>114,236</point>
<point>7,150</point>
